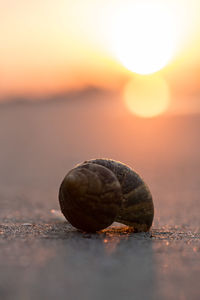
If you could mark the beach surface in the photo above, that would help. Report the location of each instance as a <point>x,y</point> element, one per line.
<point>44,257</point>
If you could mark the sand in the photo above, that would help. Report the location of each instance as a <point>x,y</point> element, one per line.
<point>44,257</point>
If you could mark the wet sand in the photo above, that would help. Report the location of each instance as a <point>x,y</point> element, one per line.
<point>42,256</point>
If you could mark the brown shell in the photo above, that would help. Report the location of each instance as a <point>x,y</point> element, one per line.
<point>90,197</point>
<point>137,208</point>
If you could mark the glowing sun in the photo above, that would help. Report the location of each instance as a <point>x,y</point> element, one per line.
<point>147,96</point>
<point>143,35</point>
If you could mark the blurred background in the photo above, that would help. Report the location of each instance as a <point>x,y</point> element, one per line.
<point>85,79</point>
<point>53,47</point>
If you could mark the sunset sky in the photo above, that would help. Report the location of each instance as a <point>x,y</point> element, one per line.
<point>48,47</point>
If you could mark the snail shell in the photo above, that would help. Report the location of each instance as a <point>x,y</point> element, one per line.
<point>137,209</point>
<point>90,197</point>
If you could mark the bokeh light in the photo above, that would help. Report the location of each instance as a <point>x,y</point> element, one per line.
<point>147,96</point>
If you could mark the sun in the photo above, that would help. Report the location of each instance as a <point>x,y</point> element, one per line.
<point>147,96</point>
<point>143,35</point>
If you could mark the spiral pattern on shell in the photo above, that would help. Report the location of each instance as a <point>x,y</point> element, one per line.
<point>137,209</point>
<point>90,197</point>
<point>98,192</point>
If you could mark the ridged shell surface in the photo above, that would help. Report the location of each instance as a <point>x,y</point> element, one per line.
<point>137,209</point>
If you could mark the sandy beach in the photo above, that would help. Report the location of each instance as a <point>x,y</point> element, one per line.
<point>42,256</point>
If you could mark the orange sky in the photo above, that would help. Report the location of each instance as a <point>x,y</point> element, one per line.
<point>51,46</point>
